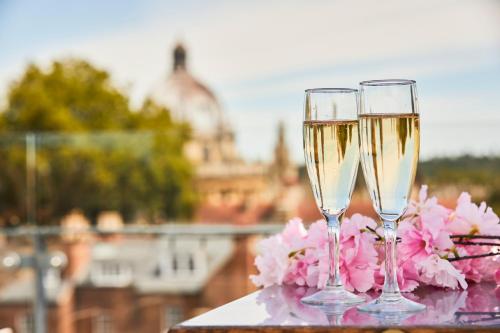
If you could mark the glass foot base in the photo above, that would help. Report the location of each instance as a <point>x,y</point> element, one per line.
<point>333,297</point>
<point>393,304</point>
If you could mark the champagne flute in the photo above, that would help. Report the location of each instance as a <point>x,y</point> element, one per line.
<point>389,134</point>
<point>331,152</point>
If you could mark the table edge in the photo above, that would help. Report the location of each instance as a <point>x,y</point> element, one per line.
<point>324,329</point>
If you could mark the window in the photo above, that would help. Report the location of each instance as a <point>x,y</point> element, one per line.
<point>111,273</point>
<point>173,314</point>
<point>191,263</point>
<point>157,271</point>
<point>111,269</point>
<point>175,265</point>
<point>103,323</point>
<point>25,323</point>
<point>183,263</point>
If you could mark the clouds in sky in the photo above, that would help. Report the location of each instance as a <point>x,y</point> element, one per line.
<point>260,55</point>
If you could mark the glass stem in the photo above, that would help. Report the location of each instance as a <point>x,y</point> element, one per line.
<point>335,319</point>
<point>391,287</point>
<point>334,280</point>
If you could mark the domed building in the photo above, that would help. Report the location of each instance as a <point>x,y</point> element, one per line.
<point>191,101</point>
<point>231,189</point>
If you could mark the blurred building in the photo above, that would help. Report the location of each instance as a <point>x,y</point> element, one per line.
<point>116,283</point>
<point>139,284</point>
<point>231,189</point>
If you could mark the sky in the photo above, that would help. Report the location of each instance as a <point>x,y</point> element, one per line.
<point>259,56</point>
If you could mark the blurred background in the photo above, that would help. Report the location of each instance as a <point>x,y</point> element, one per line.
<point>145,147</point>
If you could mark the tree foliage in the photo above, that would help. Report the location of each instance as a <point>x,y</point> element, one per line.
<point>465,172</point>
<point>93,151</point>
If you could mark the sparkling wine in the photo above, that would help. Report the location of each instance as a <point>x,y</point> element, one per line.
<point>389,156</point>
<point>332,157</point>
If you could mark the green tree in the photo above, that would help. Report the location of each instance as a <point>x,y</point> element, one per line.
<point>94,152</point>
<point>465,173</point>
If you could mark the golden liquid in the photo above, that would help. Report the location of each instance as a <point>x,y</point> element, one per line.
<point>331,151</point>
<point>389,157</point>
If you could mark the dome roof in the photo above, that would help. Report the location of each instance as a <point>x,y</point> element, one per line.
<point>190,100</point>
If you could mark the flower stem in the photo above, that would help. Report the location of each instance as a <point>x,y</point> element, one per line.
<point>491,254</point>
<point>476,243</point>
<point>475,236</point>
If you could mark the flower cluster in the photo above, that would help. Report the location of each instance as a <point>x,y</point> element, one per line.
<point>437,246</point>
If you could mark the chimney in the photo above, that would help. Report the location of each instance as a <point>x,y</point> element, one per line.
<point>75,242</point>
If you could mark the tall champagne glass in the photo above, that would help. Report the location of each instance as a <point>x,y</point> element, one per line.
<point>331,152</point>
<point>389,133</point>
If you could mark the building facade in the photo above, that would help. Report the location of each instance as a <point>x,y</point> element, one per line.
<point>230,188</point>
<point>132,284</point>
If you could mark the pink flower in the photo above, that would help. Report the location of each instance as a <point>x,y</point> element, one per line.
<point>294,233</point>
<point>470,219</point>
<point>467,267</point>
<point>307,264</point>
<point>317,254</point>
<point>478,269</point>
<point>424,239</point>
<point>426,206</point>
<point>440,272</point>
<point>272,261</point>
<point>280,261</point>
<point>418,243</point>
<point>301,257</point>
<point>358,254</point>
<point>407,276</point>
<point>297,272</point>
<point>317,271</point>
<point>358,257</point>
<point>423,230</point>
<point>317,235</point>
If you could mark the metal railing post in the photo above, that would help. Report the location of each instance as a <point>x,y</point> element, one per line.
<point>40,306</point>
<point>40,303</point>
